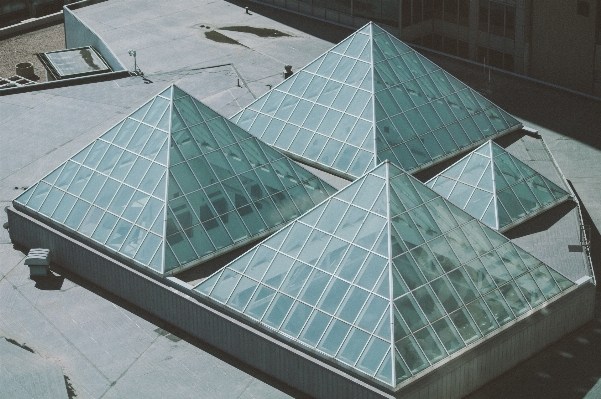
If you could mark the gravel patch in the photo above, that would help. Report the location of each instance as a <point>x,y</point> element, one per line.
<point>23,48</point>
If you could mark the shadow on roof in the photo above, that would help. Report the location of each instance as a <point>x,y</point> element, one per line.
<point>541,222</point>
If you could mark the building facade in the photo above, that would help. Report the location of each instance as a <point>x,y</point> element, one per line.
<point>555,41</point>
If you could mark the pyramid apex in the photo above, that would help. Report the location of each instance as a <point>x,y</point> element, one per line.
<point>374,101</point>
<point>373,231</point>
<point>496,187</point>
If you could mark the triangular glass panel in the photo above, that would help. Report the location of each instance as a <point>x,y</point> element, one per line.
<point>391,77</point>
<point>419,282</point>
<point>518,191</point>
<point>141,174</point>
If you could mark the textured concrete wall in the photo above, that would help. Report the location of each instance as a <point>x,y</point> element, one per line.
<point>77,34</point>
<point>454,378</point>
<point>563,44</point>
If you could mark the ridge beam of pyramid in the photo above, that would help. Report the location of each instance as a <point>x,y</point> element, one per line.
<point>371,98</point>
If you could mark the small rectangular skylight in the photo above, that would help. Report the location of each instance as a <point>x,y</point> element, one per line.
<point>74,62</point>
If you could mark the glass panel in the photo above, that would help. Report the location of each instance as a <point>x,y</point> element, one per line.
<point>443,217</point>
<point>372,356</point>
<point>427,263</point>
<point>545,281</point>
<point>353,345</point>
<point>370,272</point>
<point>424,222</point>
<point>405,191</point>
<point>352,304</point>
<point>463,285</point>
<point>461,245</point>
<point>147,249</point>
<point>333,337</point>
<point>484,319</point>
<point>296,319</point>
<point>314,247</point>
<point>412,314</point>
<point>476,237</point>
<point>499,308</point>
<point>530,290</point>
<point>430,344</point>
<point>445,255</point>
<point>315,328</point>
<point>296,279</point>
<point>118,235</point>
<point>51,201</point>
<point>465,325</point>
<point>314,287</point>
<point>63,208</point>
<point>372,312</point>
<point>259,302</point>
<point>278,310</point>
<point>77,214</point>
<point>542,193</point>
<point>514,298</point>
<point>333,295</point>
<point>446,294</point>
<point>412,354</point>
<point>406,266</point>
<point>407,230</point>
<point>480,276</point>
<point>428,302</point>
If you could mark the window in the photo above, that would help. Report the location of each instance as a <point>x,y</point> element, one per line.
<point>496,18</point>
<point>495,58</point>
<point>383,11</point>
<point>406,13</point>
<point>496,24</point>
<point>464,12</point>
<point>451,8</point>
<point>483,16</point>
<point>417,10</point>
<point>583,8</point>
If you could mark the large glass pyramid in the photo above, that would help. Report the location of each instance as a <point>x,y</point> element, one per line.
<point>372,98</point>
<point>496,187</point>
<point>385,278</point>
<point>222,186</point>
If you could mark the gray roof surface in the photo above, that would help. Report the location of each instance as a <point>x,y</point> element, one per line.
<point>554,235</point>
<point>27,375</point>
<point>110,349</point>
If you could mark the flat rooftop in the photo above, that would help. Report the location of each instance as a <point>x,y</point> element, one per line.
<point>109,348</point>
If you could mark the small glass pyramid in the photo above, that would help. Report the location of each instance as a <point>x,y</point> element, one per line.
<point>386,278</point>
<point>222,186</point>
<point>497,188</point>
<point>372,98</point>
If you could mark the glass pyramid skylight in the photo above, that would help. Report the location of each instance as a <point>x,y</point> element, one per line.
<point>386,278</point>
<point>223,187</point>
<point>496,187</point>
<point>372,98</point>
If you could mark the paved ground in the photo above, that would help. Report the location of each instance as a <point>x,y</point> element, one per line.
<point>23,48</point>
<point>110,349</point>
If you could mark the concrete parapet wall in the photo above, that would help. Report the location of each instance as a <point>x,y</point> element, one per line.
<point>460,374</point>
<point>160,297</point>
<point>78,34</point>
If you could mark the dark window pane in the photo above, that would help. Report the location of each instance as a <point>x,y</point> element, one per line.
<point>450,10</point>
<point>497,18</point>
<point>464,12</point>
<point>483,16</point>
<point>510,22</point>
